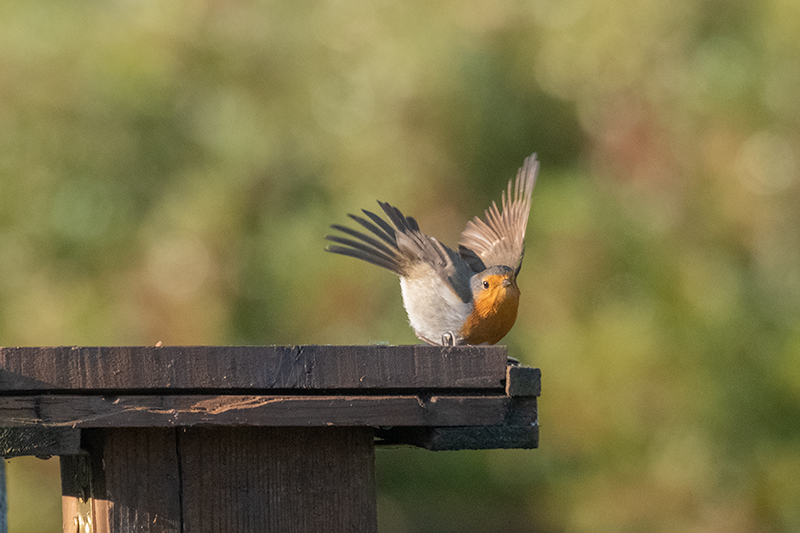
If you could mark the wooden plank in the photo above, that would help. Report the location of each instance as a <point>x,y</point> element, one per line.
<point>237,410</point>
<point>523,381</point>
<point>229,368</point>
<point>277,480</point>
<point>39,441</point>
<point>76,491</point>
<point>135,480</point>
<point>225,480</point>
<point>519,429</point>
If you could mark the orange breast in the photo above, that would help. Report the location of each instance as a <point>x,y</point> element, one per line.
<point>494,313</point>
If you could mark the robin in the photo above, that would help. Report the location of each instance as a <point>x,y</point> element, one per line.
<point>469,297</point>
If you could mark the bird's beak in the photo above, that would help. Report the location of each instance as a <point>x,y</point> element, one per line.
<point>509,283</point>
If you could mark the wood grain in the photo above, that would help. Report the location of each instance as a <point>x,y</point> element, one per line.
<point>35,439</point>
<point>221,480</point>
<point>278,480</point>
<point>245,410</point>
<point>135,480</point>
<point>262,439</point>
<point>225,368</point>
<point>458,397</point>
<point>76,493</point>
<point>519,429</point>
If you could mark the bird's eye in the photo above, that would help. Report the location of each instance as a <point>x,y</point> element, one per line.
<point>485,284</point>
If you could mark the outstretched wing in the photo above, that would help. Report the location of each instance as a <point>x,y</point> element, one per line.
<point>401,249</point>
<point>500,239</point>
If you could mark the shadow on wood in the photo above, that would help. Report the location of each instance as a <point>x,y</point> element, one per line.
<point>222,480</point>
<point>239,439</point>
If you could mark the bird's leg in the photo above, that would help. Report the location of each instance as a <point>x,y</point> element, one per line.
<point>448,339</point>
<point>425,339</point>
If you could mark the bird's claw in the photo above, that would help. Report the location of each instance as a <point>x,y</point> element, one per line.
<point>448,339</point>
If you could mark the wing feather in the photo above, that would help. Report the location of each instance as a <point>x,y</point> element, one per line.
<point>500,238</point>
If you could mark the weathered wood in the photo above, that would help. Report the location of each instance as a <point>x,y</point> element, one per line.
<point>76,493</point>
<point>278,480</point>
<point>357,386</point>
<point>228,368</point>
<point>135,480</point>
<point>271,480</point>
<point>34,439</point>
<point>168,411</point>
<point>519,429</point>
<point>523,381</point>
<point>273,439</point>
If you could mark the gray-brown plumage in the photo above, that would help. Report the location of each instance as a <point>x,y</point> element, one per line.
<point>470,296</point>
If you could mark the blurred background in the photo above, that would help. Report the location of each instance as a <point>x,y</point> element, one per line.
<point>168,171</point>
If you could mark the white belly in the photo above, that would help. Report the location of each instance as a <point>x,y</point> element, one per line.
<point>433,309</point>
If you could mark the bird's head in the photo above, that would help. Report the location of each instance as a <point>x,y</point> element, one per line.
<point>495,297</point>
<point>494,287</point>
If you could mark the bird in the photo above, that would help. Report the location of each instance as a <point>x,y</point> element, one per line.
<point>469,296</point>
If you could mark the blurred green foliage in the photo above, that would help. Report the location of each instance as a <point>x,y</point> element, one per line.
<point>168,171</point>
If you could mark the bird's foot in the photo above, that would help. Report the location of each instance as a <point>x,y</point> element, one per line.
<point>448,339</point>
